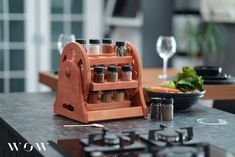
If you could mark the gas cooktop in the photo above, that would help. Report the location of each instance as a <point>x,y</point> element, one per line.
<point>162,142</point>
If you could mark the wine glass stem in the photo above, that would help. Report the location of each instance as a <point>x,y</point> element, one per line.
<point>165,67</point>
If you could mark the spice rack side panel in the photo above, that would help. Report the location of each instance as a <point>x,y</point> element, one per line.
<point>73,83</point>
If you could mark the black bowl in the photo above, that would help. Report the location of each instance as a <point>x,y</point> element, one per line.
<point>211,71</point>
<point>182,101</point>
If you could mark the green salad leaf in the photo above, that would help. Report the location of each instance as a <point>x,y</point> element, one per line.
<point>187,81</point>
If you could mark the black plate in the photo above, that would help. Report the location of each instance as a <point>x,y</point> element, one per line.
<point>182,101</point>
<point>211,71</point>
<point>230,80</point>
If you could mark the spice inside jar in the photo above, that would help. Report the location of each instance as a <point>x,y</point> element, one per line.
<point>119,95</point>
<point>126,73</point>
<point>112,74</point>
<point>167,109</point>
<point>155,108</point>
<point>120,48</point>
<point>99,74</point>
<point>107,46</point>
<point>106,96</point>
<point>82,42</point>
<point>94,46</point>
<point>92,97</point>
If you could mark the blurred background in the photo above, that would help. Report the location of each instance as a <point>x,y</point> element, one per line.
<point>29,31</point>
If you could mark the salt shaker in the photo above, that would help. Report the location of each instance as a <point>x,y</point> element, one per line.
<point>167,109</point>
<point>155,108</point>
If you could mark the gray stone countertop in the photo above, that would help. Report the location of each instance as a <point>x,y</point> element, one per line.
<point>31,115</point>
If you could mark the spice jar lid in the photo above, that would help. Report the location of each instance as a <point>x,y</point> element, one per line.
<point>126,68</point>
<point>94,41</point>
<point>120,43</point>
<point>167,101</point>
<point>156,100</point>
<point>113,68</point>
<point>107,41</point>
<point>81,41</point>
<point>99,69</point>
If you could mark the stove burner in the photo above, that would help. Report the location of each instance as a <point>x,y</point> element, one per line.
<point>111,140</point>
<point>169,135</point>
<point>106,142</point>
<point>181,151</point>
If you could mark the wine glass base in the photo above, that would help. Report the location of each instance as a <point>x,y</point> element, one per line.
<point>165,77</point>
<point>162,76</point>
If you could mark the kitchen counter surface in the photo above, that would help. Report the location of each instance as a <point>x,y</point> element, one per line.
<point>31,115</point>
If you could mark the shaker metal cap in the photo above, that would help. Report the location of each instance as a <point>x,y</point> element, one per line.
<point>168,101</point>
<point>156,100</point>
<point>120,43</point>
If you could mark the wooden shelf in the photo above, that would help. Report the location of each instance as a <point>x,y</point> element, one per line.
<point>106,106</point>
<point>114,85</point>
<point>102,55</point>
<point>110,60</point>
<point>128,112</point>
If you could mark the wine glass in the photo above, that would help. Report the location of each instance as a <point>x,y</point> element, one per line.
<point>166,48</point>
<point>63,40</point>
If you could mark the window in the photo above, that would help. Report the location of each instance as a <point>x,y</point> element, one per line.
<point>12,45</point>
<point>66,18</point>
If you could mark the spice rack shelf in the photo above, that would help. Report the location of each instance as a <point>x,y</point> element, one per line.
<point>106,106</point>
<point>114,85</point>
<point>110,60</point>
<point>75,83</point>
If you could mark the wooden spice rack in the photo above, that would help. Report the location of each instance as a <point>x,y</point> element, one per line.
<point>75,82</point>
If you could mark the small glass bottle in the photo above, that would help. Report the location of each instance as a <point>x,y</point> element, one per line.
<point>106,96</point>
<point>119,95</point>
<point>126,73</point>
<point>120,48</point>
<point>112,73</point>
<point>94,46</point>
<point>167,109</point>
<point>82,42</point>
<point>155,108</point>
<point>99,74</point>
<point>107,46</point>
<point>92,97</point>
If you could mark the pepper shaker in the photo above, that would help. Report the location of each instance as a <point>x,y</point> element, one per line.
<point>167,109</point>
<point>155,108</point>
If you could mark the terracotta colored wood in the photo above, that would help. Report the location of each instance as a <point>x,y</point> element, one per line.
<point>105,106</point>
<point>129,112</point>
<point>75,82</point>
<point>49,79</point>
<point>102,54</point>
<point>110,60</point>
<point>114,85</point>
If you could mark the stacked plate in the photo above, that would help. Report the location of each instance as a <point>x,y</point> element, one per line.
<point>214,75</point>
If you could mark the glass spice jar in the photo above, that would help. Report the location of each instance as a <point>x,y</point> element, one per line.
<point>126,73</point>
<point>94,46</point>
<point>120,48</point>
<point>112,73</point>
<point>99,74</point>
<point>92,97</point>
<point>167,109</point>
<point>106,96</point>
<point>107,46</point>
<point>155,108</point>
<point>119,95</point>
<point>82,42</point>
